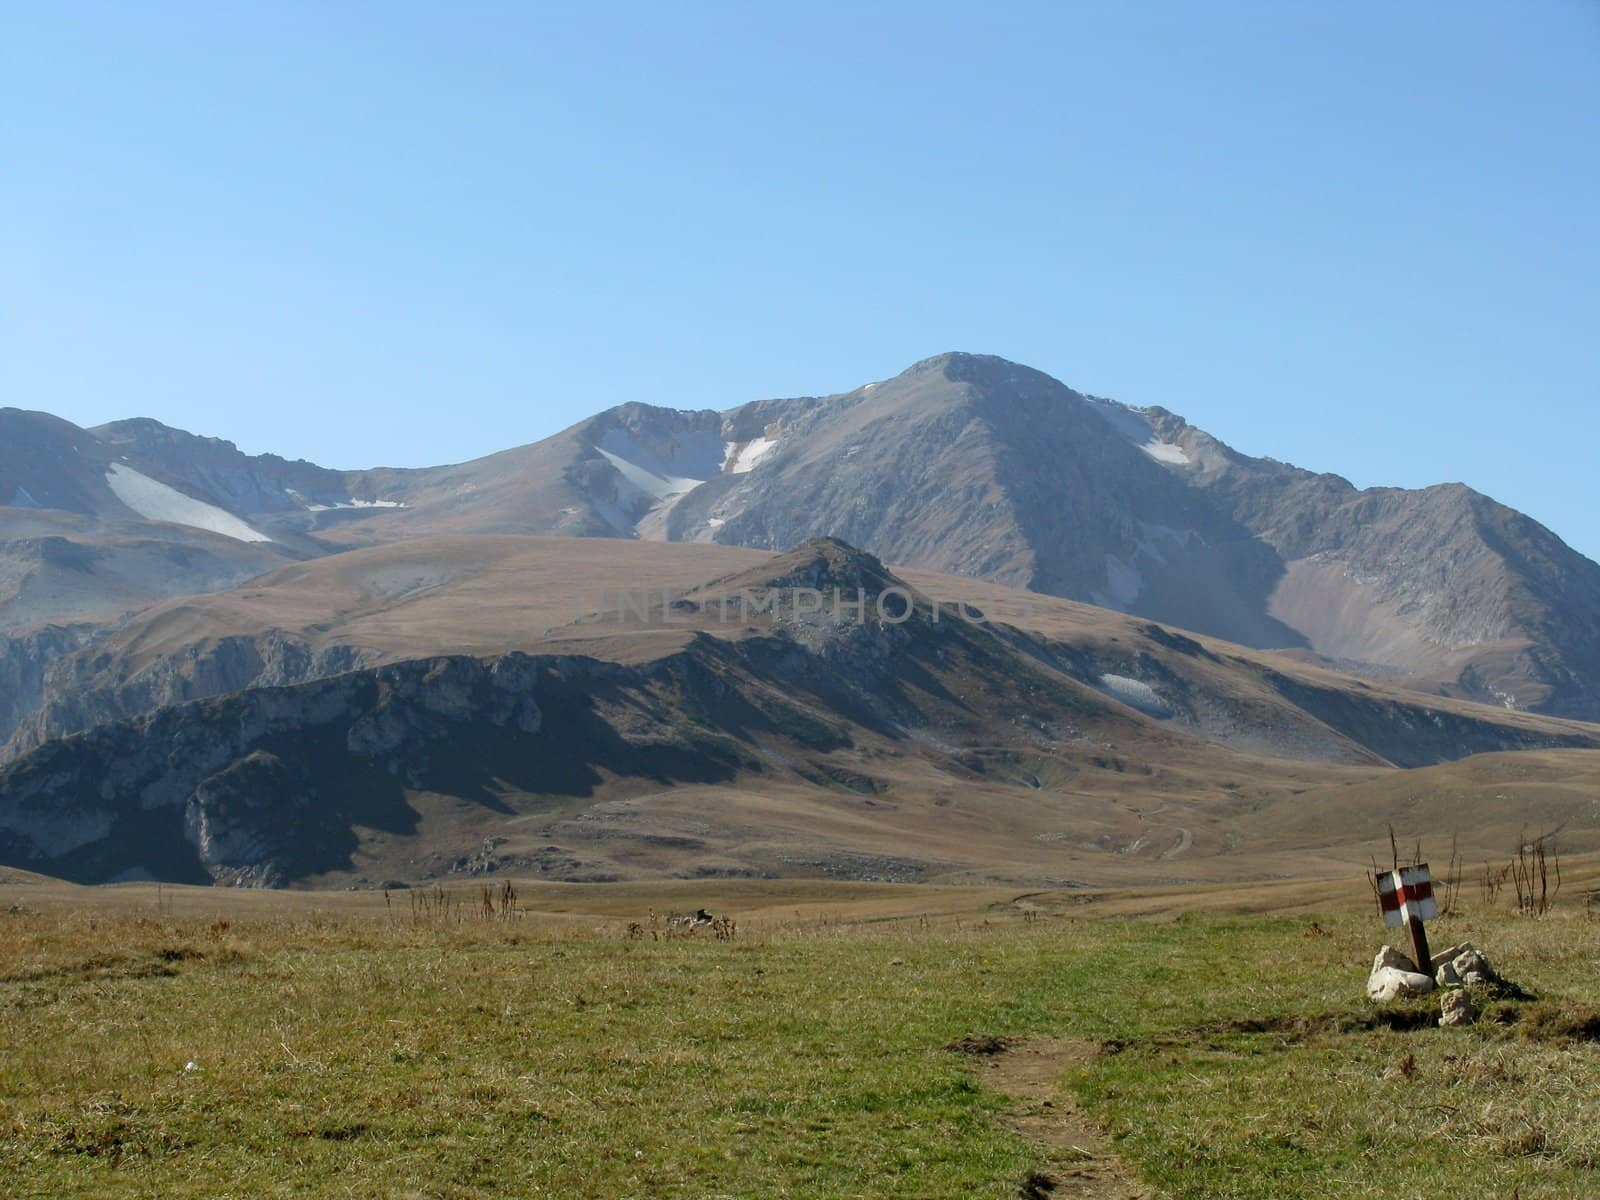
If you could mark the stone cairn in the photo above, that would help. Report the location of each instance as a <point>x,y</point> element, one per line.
<point>1456,973</point>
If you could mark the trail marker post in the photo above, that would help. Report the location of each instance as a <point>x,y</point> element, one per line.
<point>1406,897</point>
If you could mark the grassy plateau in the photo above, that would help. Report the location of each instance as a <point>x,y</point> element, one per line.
<point>576,1044</point>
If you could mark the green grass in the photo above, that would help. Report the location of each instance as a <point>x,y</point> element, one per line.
<point>496,1060</point>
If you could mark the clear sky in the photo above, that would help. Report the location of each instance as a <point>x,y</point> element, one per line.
<point>1361,237</point>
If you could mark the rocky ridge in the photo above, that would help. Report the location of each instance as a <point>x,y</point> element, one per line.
<point>275,783</point>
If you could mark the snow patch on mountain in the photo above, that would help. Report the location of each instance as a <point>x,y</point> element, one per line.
<point>1135,693</point>
<point>346,504</point>
<point>738,458</point>
<point>318,506</point>
<point>664,469</point>
<point>155,501</point>
<point>650,482</point>
<point>1167,452</point>
<point>1133,424</point>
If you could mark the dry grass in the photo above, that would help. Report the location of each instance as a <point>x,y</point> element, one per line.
<point>346,1047</point>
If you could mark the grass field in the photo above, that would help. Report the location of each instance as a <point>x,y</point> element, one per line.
<point>341,1047</point>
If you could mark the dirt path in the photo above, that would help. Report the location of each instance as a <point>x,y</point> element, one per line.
<point>1081,1164</point>
<point>1185,840</point>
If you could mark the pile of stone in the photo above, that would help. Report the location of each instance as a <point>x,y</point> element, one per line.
<point>1458,971</point>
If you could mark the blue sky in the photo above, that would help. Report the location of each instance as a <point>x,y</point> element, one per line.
<point>1357,237</point>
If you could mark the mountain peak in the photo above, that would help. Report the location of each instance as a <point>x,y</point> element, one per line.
<point>147,432</point>
<point>940,362</point>
<point>986,376</point>
<point>821,563</point>
<point>962,366</point>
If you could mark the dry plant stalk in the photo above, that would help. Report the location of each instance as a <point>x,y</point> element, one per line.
<point>498,904</point>
<point>1532,870</point>
<point>1447,889</point>
<point>434,906</point>
<point>1493,879</point>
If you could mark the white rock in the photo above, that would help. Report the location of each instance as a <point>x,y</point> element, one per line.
<point>1456,1007</point>
<point>1390,983</point>
<point>1390,957</point>
<point>1394,975</point>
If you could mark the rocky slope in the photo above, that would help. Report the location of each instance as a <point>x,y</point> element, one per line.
<point>273,784</point>
<point>978,466</point>
<point>262,786</point>
<point>25,658</point>
<point>77,691</point>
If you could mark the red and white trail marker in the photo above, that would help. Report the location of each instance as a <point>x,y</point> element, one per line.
<point>1407,893</point>
<point>1406,897</point>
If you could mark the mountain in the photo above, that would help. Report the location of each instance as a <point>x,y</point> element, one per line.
<point>907,732</point>
<point>618,474</point>
<point>1127,645</point>
<point>977,466</point>
<point>141,469</point>
<point>963,464</point>
<point>103,522</point>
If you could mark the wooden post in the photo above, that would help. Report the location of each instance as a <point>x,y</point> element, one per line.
<point>1419,945</point>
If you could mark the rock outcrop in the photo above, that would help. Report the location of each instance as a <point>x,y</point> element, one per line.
<point>80,690</point>
<point>263,785</point>
<point>25,659</point>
